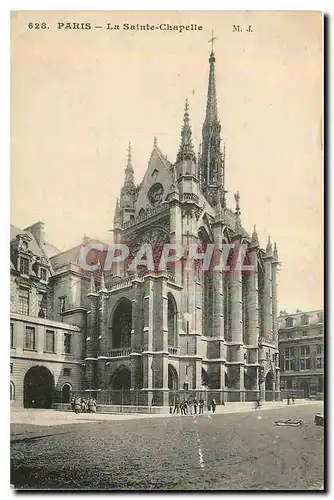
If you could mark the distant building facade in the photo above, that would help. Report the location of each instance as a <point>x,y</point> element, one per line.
<point>301,349</point>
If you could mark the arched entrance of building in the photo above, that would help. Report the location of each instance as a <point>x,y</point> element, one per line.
<point>38,388</point>
<point>121,379</point>
<point>66,393</point>
<point>173,380</point>
<point>172,321</point>
<point>248,381</point>
<point>173,385</point>
<point>205,378</point>
<point>122,324</point>
<point>269,386</point>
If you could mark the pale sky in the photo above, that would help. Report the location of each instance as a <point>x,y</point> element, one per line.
<point>79,96</point>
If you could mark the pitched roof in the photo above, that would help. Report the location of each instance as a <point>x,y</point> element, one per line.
<point>50,250</point>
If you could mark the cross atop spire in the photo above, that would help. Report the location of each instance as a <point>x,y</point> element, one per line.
<point>212,39</point>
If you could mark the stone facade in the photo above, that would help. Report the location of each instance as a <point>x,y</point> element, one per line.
<point>157,332</point>
<point>142,330</point>
<point>46,347</point>
<point>301,347</point>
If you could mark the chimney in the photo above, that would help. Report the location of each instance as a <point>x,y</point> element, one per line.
<point>37,231</point>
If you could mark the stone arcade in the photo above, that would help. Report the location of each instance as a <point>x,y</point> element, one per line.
<point>155,333</point>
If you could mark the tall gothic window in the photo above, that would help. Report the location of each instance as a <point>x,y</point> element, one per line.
<point>244,309</point>
<point>227,301</point>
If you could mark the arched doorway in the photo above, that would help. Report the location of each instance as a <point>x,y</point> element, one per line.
<point>173,380</point>
<point>205,378</point>
<point>121,380</point>
<point>122,324</point>
<point>38,388</point>
<point>173,384</point>
<point>248,381</point>
<point>269,386</point>
<point>66,393</point>
<point>172,325</point>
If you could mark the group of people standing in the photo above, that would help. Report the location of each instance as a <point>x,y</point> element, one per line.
<point>191,406</point>
<point>79,404</point>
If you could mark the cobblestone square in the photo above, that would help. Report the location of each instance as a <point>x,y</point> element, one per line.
<point>232,451</point>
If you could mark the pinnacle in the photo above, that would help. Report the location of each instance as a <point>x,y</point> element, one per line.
<point>255,238</point>
<point>186,150</point>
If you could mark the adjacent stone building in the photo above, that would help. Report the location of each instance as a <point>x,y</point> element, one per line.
<point>301,347</point>
<point>48,292</point>
<point>155,333</point>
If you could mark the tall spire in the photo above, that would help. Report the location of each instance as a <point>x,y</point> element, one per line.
<point>129,181</point>
<point>186,150</point>
<point>129,186</point>
<point>211,164</point>
<point>255,238</point>
<point>211,105</point>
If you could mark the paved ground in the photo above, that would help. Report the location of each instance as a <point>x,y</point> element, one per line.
<point>229,451</point>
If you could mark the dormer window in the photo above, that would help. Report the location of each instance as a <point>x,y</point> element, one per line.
<point>25,245</point>
<point>288,322</point>
<point>43,274</point>
<point>24,266</point>
<point>304,320</point>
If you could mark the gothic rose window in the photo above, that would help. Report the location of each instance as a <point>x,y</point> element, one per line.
<point>155,194</point>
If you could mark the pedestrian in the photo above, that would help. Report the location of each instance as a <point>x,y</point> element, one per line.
<point>77,405</point>
<point>288,399</point>
<point>200,406</point>
<point>183,408</point>
<point>92,405</point>
<point>190,406</point>
<point>257,403</point>
<point>72,402</point>
<point>186,407</point>
<point>195,406</point>
<point>213,405</point>
<point>177,406</point>
<point>83,405</point>
<point>293,399</point>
